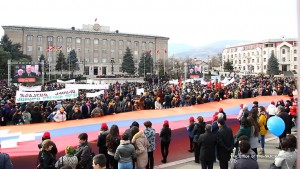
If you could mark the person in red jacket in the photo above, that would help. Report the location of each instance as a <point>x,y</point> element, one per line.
<point>293,113</point>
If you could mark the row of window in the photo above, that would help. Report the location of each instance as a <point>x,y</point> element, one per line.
<point>88,41</point>
<point>283,51</point>
<point>265,60</point>
<point>265,67</point>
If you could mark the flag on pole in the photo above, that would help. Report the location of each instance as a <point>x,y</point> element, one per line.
<point>157,52</point>
<point>150,52</point>
<point>52,48</point>
<point>179,81</point>
<point>59,48</point>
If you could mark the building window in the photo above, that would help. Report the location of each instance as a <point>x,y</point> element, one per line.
<point>136,43</point>
<point>96,41</point>
<point>59,39</point>
<point>78,40</point>
<point>244,61</point>
<point>78,50</point>
<point>252,53</point>
<point>265,52</point>
<point>69,40</point>
<point>87,60</point>
<point>40,38</point>
<point>239,61</point>
<point>120,52</point>
<point>104,41</point>
<point>257,60</point>
<point>252,60</point>
<point>257,67</point>
<point>235,62</point>
<point>103,60</point>
<point>244,68</point>
<point>87,41</point>
<point>120,43</point>
<point>95,60</point>
<point>120,69</point>
<point>112,52</point>
<point>40,48</point>
<point>112,42</point>
<point>265,59</point>
<point>29,48</point>
<point>103,51</point>
<point>87,50</point>
<point>128,43</point>
<point>144,44</point>
<point>231,56</point>
<point>295,51</point>
<point>96,51</point>
<point>295,59</point>
<point>283,51</point>
<point>50,39</point>
<point>295,66</point>
<point>283,59</point>
<point>239,55</point>
<point>265,67</point>
<point>29,37</point>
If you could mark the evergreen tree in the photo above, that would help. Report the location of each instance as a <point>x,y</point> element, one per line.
<point>145,64</point>
<point>13,49</point>
<point>128,63</point>
<point>61,63</point>
<point>228,66</point>
<point>4,56</point>
<point>273,65</point>
<point>72,62</point>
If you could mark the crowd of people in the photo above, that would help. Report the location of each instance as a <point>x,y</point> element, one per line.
<point>135,147</point>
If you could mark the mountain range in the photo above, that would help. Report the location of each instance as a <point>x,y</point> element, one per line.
<point>202,52</point>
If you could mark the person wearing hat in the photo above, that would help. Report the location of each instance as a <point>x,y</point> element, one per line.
<point>207,143</point>
<point>222,111</point>
<point>165,135</point>
<point>69,159</point>
<point>46,136</point>
<point>61,115</point>
<point>190,130</point>
<point>101,142</point>
<point>271,110</point>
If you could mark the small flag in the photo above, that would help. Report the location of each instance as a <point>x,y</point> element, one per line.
<point>157,52</point>
<point>59,48</point>
<point>166,51</point>
<point>150,52</point>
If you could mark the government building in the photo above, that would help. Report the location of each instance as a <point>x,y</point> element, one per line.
<point>253,58</point>
<point>99,50</point>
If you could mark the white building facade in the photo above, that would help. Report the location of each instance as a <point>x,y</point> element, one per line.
<point>253,57</point>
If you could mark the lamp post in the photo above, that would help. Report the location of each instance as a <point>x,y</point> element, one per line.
<point>112,61</point>
<point>144,65</point>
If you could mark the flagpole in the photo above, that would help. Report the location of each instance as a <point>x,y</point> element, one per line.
<point>49,59</point>
<point>165,62</point>
<point>144,66</point>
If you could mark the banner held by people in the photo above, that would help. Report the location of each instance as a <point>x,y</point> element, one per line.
<point>30,89</point>
<point>43,96</point>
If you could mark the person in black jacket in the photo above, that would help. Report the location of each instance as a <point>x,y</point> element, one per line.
<point>45,157</point>
<point>165,135</point>
<point>286,118</point>
<point>84,152</point>
<point>225,143</point>
<point>17,118</point>
<point>46,136</point>
<point>198,130</point>
<point>207,143</point>
<point>101,143</point>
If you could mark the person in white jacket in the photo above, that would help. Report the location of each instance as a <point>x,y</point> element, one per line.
<point>60,116</point>
<point>272,110</point>
<point>158,104</point>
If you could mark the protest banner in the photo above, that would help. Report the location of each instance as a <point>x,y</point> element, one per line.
<point>43,96</point>
<point>140,91</point>
<point>86,86</point>
<point>30,89</point>
<point>95,94</point>
<point>68,81</point>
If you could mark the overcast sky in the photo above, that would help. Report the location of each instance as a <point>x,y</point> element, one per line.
<point>190,22</point>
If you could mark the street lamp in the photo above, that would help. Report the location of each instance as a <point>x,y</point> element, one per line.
<point>112,61</point>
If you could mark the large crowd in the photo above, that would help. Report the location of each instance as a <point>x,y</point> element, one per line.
<point>134,148</point>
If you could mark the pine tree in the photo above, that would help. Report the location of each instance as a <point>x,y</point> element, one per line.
<point>228,66</point>
<point>61,63</point>
<point>72,62</point>
<point>128,63</point>
<point>146,61</point>
<point>273,65</point>
<point>13,49</point>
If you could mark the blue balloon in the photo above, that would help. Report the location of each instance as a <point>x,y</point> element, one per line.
<point>276,125</point>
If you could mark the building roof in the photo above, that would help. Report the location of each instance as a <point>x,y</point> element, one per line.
<point>65,30</point>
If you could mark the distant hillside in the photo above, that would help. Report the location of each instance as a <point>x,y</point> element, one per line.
<point>210,49</point>
<point>178,48</point>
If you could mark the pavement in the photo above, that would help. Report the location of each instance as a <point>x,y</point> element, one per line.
<point>263,161</point>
